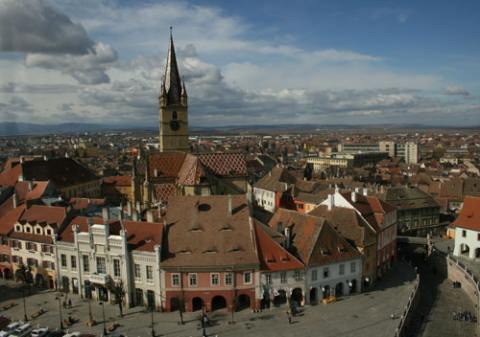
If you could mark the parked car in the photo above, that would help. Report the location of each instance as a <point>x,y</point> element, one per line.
<point>55,333</point>
<point>40,332</point>
<point>10,328</point>
<point>72,334</point>
<point>22,331</point>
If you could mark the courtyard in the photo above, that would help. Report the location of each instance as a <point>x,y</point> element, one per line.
<point>365,314</point>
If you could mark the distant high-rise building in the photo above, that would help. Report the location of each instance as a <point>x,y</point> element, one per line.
<point>387,146</point>
<point>173,107</point>
<point>411,153</point>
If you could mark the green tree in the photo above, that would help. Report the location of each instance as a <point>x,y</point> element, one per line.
<point>117,288</point>
<point>24,275</point>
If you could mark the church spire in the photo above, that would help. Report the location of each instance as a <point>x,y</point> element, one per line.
<point>172,84</point>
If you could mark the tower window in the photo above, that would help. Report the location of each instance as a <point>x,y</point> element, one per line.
<point>174,115</point>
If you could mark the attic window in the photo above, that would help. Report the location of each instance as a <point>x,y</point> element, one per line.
<point>271,259</point>
<point>341,249</point>
<point>235,248</point>
<point>210,250</point>
<point>324,252</point>
<point>185,251</point>
<point>286,258</point>
<point>226,227</point>
<point>196,228</point>
<point>204,207</point>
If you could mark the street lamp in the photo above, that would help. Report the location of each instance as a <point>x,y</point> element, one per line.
<point>204,328</point>
<point>59,298</point>
<point>153,330</point>
<point>104,323</point>
<point>25,317</point>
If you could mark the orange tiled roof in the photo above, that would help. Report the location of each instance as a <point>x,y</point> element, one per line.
<point>469,217</point>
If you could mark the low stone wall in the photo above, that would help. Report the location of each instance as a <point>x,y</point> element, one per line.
<point>470,283</point>
<point>409,311</point>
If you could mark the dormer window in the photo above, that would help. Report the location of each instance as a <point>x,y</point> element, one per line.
<point>38,231</point>
<point>49,232</point>
<point>18,228</point>
<point>27,229</point>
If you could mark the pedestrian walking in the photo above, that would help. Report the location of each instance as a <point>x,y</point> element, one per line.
<point>289,317</point>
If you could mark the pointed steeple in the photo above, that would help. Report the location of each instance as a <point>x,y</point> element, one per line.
<point>172,84</point>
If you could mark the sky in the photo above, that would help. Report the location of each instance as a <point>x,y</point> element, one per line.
<point>244,62</point>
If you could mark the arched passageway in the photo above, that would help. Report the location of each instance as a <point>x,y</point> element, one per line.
<point>243,302</point>
<point>197,304</point>
<point>280,298</point>
<point>313,297</point>
<point>218,302</point>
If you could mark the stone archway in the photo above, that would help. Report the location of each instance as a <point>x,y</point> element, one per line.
<point>39,281</point>
<point>243,302</point>
<point>218,302</point>
<point>197,304</point>
<point>313,296</point>
<point>339,289</point>
<point>280,298</point>
<point>477,253</point>
<point>297,296</point>
<point>174,304</point>
<point>7,274</point>
<point>353,286</point>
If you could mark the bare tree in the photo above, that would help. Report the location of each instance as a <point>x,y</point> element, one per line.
<point>117,288</point>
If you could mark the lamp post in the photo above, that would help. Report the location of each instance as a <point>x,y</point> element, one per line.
<point>204,325</point>
<point>25,317</point>
<point>104,321</point>
<point>59,298</point>
<point>153,330</point>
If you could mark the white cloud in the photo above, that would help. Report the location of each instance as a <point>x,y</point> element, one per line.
<point>455,90</point>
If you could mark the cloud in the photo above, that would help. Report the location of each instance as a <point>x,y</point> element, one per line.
<point>14,108</point>
<point>456,90</point>
<point>400,15</point>
<point>32,26</point>
<point>86,69</point>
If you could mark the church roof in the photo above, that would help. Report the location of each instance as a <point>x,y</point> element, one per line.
<point>172,82</point>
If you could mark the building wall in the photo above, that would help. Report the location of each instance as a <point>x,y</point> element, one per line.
<point>411,153</point>
<point>467,237</point>
<point>265,199</point>
<point>205,290</point>
<point>89,189</point>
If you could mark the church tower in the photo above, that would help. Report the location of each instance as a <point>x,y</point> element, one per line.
<point>173,107</point>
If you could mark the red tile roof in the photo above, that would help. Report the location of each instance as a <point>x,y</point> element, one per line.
<point>273,257</point>
<point>52,215</point>
<point>224,164</point>
<point>10,218</point>
<point>142,236</point>
<point>469,217</point>
<point>24,193</point>
<point>83,203</point>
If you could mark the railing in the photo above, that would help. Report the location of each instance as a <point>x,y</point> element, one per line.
<point>468,274</point>
<point>408,308</point>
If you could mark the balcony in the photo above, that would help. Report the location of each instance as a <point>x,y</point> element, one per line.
<point>98,278</point>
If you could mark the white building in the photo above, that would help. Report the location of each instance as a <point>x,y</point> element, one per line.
<point>467,229</point>
<point>93,250</point>
<point>411,153</point>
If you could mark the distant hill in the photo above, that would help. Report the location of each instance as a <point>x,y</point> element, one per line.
<point>16,129</point>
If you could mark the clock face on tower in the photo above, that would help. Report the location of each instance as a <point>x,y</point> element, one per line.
<point>174,125</point>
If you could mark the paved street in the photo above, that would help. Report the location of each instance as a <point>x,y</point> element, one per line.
<point>366,314</point>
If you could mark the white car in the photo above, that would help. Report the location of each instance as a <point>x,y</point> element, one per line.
<point>72,334</point>
<point>22,331</point>
<point>40,332</point>
<point>10,328</point>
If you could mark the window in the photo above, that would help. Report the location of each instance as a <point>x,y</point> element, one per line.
<point>341,269</point>
<point>464,233</point>
<point>325,272</point>
<point>478,236</point>
<point>268,278</point>
<point>101,265</point>
<point>192,280</point>
<point>137,271</point>
<point>73,262</point>
<point>297,275</point>
<point>86,263</point>
<point>18,228</point>
<point>63,260</point>
<point>228,279</point>
<point>49,232</point>
<point>247,277</point>
<point>116,268</point>
<point>174,115</point>
<point>38,231</point>
<point>27,229</point>
<point>283,277</point>
<point>175,280</point>
<point>214,279</point>
<point>314,275</point>
<point>353,267</point>
<point>149,270</point>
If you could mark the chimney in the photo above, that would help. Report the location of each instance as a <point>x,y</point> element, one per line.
<point>66,155</point>
<point>155,173</point>
<point>357,189</point>
<point>354,197</point>
<point>45,158</point>
<point>150,216</point>
<point>138,207</point>
<point>288,237</point>
<point>129,208</point>
<point>21,159</point>
<point>89,221</point>
<point>105,215</point>
<point>20,177</point>
<point>365,191</point>
<point>135,215</point>
<point>229,204</point>
<point>163,209</point>
<point>331,201</point>
<point>15,200</point>
<point>30,185</point>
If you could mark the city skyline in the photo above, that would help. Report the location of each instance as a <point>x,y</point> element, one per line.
<point>312,63</point>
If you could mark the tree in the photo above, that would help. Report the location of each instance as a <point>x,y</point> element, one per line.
<point>117,288</point>
<point>24,275</point>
